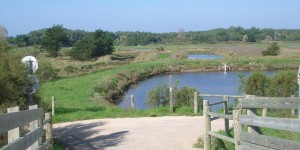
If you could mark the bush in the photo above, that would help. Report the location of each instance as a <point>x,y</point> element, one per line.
<point>70,69</point>
<point>283,84</point>
<point>272,50</point>
<point>257,84</point>
<point>46,72</point>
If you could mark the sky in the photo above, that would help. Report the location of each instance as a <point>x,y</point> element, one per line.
<point>23,16</point>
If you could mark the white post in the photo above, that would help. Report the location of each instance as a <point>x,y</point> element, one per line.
<point>195,103</point>
<point>299,89</point>
<point>132,102</point>
<point>171,93</point>
<point>53,105</point>
<point>225,68</point>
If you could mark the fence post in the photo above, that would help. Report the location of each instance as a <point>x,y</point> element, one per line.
<point>171,93</point>
<point>14,133</point>
<point>293,112</point>
<point>53,105</point>
<point>207,125</point>
<point>225,98</point>
<point>237,128</point>
<point>49,135</point>
<point>195,102</point>
<point>132,102</point>
<point>32,126</point>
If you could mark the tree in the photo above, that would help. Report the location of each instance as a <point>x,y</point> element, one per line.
<point>283,84</point>
<point>3,33</point>
<point>181,34</point>
<point>257,84</point>
<point>97,44</point>
<point>272,50</point>
<point>53,39</point>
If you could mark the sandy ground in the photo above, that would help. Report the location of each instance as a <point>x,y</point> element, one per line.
<point>148,133</point>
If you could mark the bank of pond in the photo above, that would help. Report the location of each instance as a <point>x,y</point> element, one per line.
<point>224,83</point>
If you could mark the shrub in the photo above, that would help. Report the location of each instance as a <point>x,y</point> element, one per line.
<point>46,72</point>
<point>272,50</point>
<point>257,84</point>
<point>70,69</point>
<point>283,84</point>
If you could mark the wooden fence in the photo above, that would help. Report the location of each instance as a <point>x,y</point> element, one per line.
<point>11,122</point>
<point>253,139</point>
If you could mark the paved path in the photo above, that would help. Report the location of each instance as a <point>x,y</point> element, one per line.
<point>148,133</point>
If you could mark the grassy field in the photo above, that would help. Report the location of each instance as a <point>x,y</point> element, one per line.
<point>74,92</point>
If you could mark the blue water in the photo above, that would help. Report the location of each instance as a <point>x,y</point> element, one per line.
<point>205,82</point>
<point>204,56</point>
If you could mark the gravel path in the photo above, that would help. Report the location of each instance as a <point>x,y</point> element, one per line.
<point>148,133</point>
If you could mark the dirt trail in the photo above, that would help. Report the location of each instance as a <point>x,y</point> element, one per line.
<point>148,133</point>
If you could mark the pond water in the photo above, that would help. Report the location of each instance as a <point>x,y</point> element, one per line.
<point>205,82</point>
<point>204,56</point>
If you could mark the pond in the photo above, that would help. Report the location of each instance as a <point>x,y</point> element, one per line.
<point>205,82</point>
<point>204,56</point>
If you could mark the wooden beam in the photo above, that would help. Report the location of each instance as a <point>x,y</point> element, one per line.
<point>220,136</point>
<point>207,125</point>
<point>12,120</point>
<point>270,122</point>
<point>216,103</point>
<point>249,146</point>
<point>216,95</point>
<point>213,114</point>
<point>272,103</point>
<point>14,133</point>
<point>253,129</point>
<point>270,142</point>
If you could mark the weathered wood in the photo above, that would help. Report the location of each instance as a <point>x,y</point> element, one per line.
<point>271,103</point>
<point>48,127</point>
<point>216,103</point>
<point>264,112</point>
<point>26,141</point>
<point>33,126</point>
<point>270,122</point>
<point>14,133</point>
<point>249,146</point>
<point>171,100</point>
<point>225,106</point>
<point>45,145</point>
<point>195,103</point>
<point>220,136</point>
<point>53,105</point>
<point>132,101</point>
<point>270,142</point>
<point>293,111</point>
<point>213,114</point>
<point>207,125</point>
<point>216,95</point>
<point>253,129</point>
<point>46,121</point>
<point>237,128</point>
<point>12,120</point>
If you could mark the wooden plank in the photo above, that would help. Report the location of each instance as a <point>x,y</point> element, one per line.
<point>44,145</point>
<point>14,133</point>
<point>48,128</point>
<point>270,122</point>
<point>216,95</point>
<point>213,114</point>
<point>26,141</point>
<point>12,120</point>
<point>46,121</point>
<point>267,102</point>
<point>32,126</point>
<point>270,142</point>
<point>249,146</point>
<point>237,128</point>
<point>220,136</point>
<point>253,129</point>
<point>206,125</point>
<point>216,103</point>
<point>195,103</point>
<point>225,106</point>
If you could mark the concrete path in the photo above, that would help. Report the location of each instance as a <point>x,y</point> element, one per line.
<point>148,133</point>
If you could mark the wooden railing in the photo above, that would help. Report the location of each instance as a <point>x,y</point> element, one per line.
<point>253,139</point>
<point>12,121</point>
<point>208,115</point>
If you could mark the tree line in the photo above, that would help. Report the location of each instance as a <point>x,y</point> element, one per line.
<point>130,38</point>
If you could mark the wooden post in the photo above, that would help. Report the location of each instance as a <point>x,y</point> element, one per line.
<point>32,126</point>
<point>195,102</point>
<point>171,100</point>
<point>14,133</point>
<point>293,112</point>
<point>264,112</point>
<point>237,128</point>
<point>170,81</point>
<point>53,105</point>
<point>207,125</point>
<point>225,98</point>
<point>132,102</point>
<point>253,129</point>
<point>49,135</point>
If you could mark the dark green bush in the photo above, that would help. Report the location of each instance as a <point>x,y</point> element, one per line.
<point>272,50</point>
<point>46,72</point>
